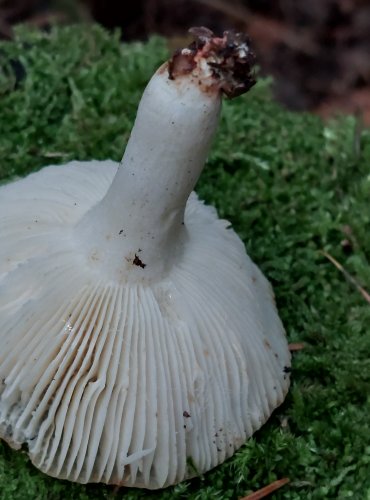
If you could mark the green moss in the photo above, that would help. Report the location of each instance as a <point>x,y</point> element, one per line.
<point>288,183</point>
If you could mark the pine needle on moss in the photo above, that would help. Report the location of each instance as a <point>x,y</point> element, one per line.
<point>289,184</point>
<point>267,490</point>
<point>348,276</point>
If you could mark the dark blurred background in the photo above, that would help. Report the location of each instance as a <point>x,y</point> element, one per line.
<point>318,51</point>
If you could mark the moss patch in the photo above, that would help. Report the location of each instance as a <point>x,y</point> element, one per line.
<point>290,185</point>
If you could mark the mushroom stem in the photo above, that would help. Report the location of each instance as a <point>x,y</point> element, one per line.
<point>137,230</point>
<point>143,210</point>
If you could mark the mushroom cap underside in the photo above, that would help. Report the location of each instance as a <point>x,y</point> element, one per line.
<point>133,384</point>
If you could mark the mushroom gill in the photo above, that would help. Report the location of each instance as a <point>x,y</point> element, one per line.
<point>140,344</point>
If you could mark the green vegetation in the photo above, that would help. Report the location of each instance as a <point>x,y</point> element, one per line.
<point>291,186</point>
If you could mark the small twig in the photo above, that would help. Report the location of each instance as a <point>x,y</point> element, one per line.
<point>266,490</point>
<point>53,154</point>
<point>296,346</point>
<point>348,276</point>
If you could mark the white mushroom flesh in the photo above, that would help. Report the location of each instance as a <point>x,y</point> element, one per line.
<point>140,345</point>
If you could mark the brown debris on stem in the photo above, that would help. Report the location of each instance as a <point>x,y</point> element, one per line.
<point>229,58</point>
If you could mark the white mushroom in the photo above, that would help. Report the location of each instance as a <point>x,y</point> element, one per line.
<point>139,342</point>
